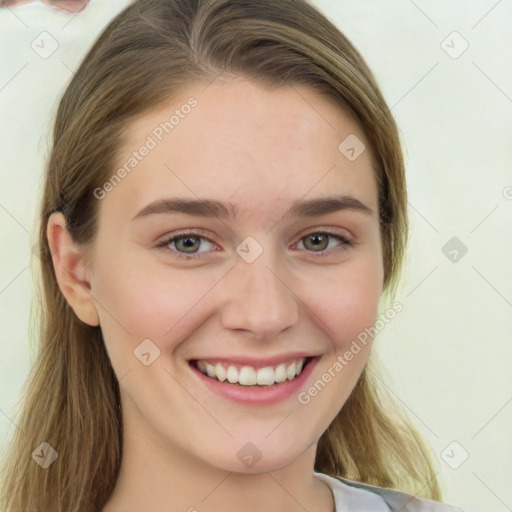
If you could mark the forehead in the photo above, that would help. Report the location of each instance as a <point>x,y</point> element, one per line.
<point>245,144</point>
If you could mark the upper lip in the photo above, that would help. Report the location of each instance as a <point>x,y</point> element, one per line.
<point>257,362</point>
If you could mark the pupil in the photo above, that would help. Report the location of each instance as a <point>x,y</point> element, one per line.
<point>317,241</point>
<point>188,242</point>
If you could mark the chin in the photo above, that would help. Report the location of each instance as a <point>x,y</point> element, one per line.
<point>253,458</point>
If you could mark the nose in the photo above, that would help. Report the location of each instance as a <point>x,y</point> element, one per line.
<point>258,299</point>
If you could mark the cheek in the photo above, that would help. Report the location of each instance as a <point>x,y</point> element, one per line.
<point>344,303</point>
<point>346,299</point>
<point>137,301</point>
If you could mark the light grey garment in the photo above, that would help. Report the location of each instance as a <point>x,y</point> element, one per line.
<point>351,496</point>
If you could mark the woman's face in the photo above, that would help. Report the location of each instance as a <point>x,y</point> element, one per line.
<point>255,283</point>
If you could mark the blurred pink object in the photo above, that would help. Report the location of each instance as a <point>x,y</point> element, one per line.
<point>68,6</point>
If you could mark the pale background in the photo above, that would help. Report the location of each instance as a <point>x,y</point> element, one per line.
<point>448,354</point>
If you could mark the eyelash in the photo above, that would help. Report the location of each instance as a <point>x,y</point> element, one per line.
<point>182,256</point>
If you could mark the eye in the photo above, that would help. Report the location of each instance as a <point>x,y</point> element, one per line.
<point>188,242</point>
<point>320,242</point>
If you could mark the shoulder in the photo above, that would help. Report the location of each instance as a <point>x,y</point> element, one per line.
<point>357,497</point>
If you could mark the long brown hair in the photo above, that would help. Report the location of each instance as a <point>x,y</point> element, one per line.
<point>149,53</point>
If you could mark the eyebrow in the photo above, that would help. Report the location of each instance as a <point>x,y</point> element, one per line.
<point>212,208</point>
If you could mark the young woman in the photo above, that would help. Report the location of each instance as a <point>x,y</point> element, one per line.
<point>224,216</point>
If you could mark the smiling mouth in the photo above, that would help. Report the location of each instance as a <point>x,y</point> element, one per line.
<point>245,375</point>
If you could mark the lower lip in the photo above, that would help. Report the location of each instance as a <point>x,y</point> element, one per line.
<point>257,395</point>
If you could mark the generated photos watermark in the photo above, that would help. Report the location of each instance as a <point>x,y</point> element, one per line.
<point>151,142</point>
<point>304,397</point>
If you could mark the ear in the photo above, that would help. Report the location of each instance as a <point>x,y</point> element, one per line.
<point>70,264</point>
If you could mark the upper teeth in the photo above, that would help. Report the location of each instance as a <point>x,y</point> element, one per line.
<point>249,376</point>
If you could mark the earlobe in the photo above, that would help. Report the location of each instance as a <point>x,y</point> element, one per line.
<point>70,264</point>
